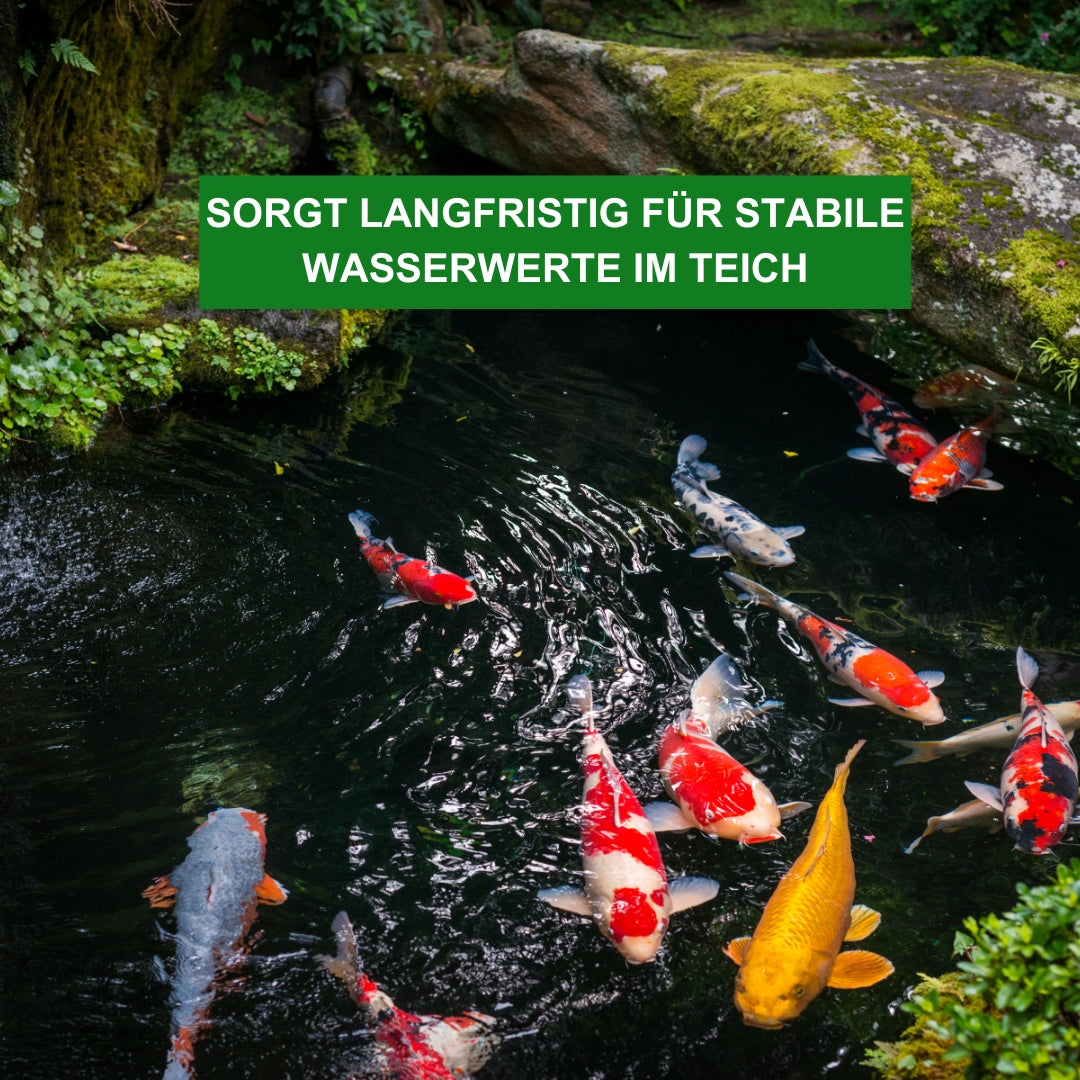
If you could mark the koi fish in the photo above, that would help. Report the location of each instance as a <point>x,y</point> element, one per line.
<point>953,464</point>
<point>411,1047</point>
<point>897,436</point>
<point>970,384</point>
<point>969,815</point>
<point>215,890</point>
<point>1038,787</point>
<point>1000,732</point>
<point>794,952</point>
<point>742,535</point>
<point>410,578</point>
<point>878,676</point>
<point>626,890</point>
<point>710,790</point>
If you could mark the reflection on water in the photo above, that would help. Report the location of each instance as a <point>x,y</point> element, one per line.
<point>183,627</point>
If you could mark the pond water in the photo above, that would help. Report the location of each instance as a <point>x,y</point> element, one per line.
<point>184,628</point>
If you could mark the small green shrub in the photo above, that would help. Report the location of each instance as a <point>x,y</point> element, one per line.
<point>1051,359</point>
<point>1036,33</point>
<point>1020,1011</point>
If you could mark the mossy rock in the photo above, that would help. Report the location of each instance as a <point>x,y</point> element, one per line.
<point>141,290</point>
<point>241,132</point>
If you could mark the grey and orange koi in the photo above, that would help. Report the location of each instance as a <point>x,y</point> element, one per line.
<point>970,815</point>
<point>742,535</point>
<point>710,790</point>
<point>953,464</point>
<point>877,676</point>
<point>897,436</point>
<point>408,1046</point>
<point>215,891</point>
<point>1037,793</point>
<point>626,894</point>
<point>411,579</point>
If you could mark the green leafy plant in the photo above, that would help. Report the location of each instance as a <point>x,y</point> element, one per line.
<point>1018,1010</point>
<point>67,52</point>
<point>1051,359</point>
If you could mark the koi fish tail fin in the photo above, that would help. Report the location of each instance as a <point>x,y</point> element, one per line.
<point>579,691</point>
<point>344,964</point>
<point>920,752</point>
<point>362,521</point>
<point>815,360</point>
<point>1026,667</point>
<point>841,774</point>
<point>717,694</point>
<point>751,590</point>
<point>690,451</point>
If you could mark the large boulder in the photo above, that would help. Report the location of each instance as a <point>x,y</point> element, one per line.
<point>993,151</point>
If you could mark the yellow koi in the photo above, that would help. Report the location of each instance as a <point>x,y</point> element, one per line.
<point>795,951</point>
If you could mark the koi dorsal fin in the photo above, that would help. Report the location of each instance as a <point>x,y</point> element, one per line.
<point>856,968</point>
<point>162,893</point>
<point>736,949</point>
<point>270,891</point>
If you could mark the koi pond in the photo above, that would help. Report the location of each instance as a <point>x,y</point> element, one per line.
<point>187,624</point>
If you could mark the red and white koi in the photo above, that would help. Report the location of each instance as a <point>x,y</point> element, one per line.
<point>1038,789</point>
<point>215,890</point>
<point>710,790</point>
<point>877,676</point>
<point>413,580</point>
<point>742,535</point>
<point>953,464</point>
<point>407,1046</point>
<point>626,890</point>
<point>897,436</point>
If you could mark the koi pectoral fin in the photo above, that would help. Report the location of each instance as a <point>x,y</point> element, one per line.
<point>711,551</point>
<point>736,950</point>
<point>270,891</point>
<point>982,483</point>
<point>161,893</point>
<point>857,968</point>
<point>399,601</point>
<point>864,921</point>
<point>567,898</point>
<point>667,817</point>
<point>931,678</point>
<point>789,532</point>
<point>688,892</point>
<point>989,795</point>
<point>851,702</point>
<point>789,810</point>
<point>866,453</point>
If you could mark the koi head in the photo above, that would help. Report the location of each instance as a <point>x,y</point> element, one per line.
<point>638,922</point>
<point>769,995</point>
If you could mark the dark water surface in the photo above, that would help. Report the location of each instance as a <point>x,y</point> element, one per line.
<point>183,628</point>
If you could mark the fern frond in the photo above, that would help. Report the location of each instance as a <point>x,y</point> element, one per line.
<point>67,52</point>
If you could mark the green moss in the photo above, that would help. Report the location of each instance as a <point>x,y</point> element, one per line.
<point>917,1055</point>
<point>125,289</point>
<point>235,133</point>
<point>1043,271</point>
<point>349,147</point>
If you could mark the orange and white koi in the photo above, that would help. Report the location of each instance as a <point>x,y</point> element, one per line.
<point>897,436</point>
<point>412,579</point>
<point>215,890</point>
<point>742,535</point>
<point>876,675</point>
<point>1038,789</point>
<point>626,890</point>
<point>407,1046</point>
<point>970,815</point>
<point>1000,732</point>
<point>710,790</point>
<point>953,464</point>
<point>794,952</point>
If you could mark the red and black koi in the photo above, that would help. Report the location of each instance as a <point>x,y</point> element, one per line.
<point>953,464</point>
<point>878,676</point>
<point>710,790</point>
<point>1038,789</point>
<point>215,890</point>
<point>407,1046</point>
<point>626,890</point>
<point>413,580</point>
<point>897,436</point>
